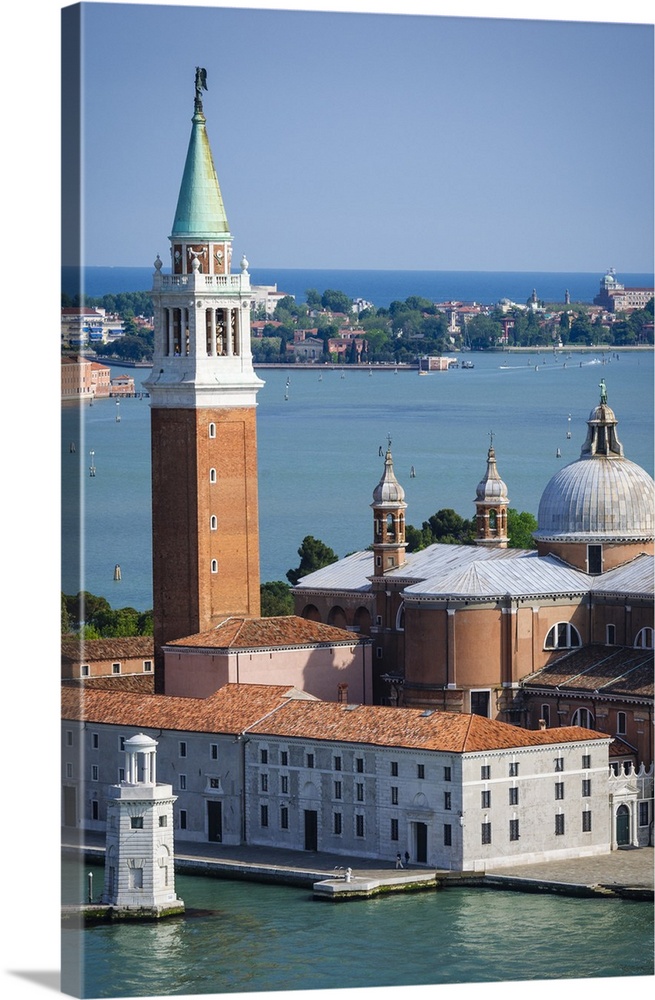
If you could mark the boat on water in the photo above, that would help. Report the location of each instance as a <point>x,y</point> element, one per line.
<point>467,364</point>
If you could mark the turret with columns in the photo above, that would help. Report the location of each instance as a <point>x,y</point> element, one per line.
<point>388,520</point>
<point>491,504</point>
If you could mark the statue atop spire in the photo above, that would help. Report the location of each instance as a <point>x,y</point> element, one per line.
<point>603,392</point>
<point>201,84</point>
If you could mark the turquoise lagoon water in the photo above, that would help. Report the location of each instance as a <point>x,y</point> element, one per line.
<point>244,937</point>
<point>318,453</point>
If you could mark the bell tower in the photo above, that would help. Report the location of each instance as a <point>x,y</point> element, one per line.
<point>388,520</point>
<point>203,391</point>
<point>491,503</point>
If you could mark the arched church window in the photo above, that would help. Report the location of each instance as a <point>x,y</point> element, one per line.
<point>644,639</point>
<point>493,521</point>
<point>563,636</point>
<point>583,717</point>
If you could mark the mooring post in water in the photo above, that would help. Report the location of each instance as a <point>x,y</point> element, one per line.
<point>90,887</point>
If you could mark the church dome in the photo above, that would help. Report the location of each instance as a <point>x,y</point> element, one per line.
<point>603,494</point>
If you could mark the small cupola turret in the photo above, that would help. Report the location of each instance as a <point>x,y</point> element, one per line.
<point>491,503</point>
<point>388,519</point>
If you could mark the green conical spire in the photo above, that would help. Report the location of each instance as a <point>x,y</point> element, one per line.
<point>200,212</point>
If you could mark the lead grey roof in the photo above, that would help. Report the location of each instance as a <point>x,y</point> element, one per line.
<point>461,571</point>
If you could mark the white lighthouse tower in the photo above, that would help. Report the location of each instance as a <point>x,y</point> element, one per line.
<point>139,864</point>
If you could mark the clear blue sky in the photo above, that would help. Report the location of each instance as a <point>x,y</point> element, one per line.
<point>375,140</point>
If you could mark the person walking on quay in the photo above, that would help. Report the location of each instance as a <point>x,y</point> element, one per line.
<point>407,858</point>
<point>399,860</point>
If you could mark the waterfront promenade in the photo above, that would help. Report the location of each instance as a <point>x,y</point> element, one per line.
<point>627,872</point>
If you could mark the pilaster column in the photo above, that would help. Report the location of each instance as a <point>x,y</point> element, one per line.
<point>452,652</point>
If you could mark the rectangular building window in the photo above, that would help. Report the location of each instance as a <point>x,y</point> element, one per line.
<point>559,824</point>
<point>513,829</point>
<point>284,784</point>
<point>136,822</point>
<point>337,789</point>
<point>214,783</point>
<point>310,760</point>
<point>559,763</point>
<point>359,825</point>
<point>394,795</point>
<point>263,756</point>
<point>263,815</point>
<point>95,809</point>
<point>147,666</point>
<point>513,796</point>
<point>263,782</point>
<point>643,814</point>
<point>95,741</point>
<point>94,772</point>
<point>586,821</point>
<point>514,769</point>
<point>486,833</point>
<point>394,829</point>
<point>610,634</point>
<point>485,800</point>
<point>182,748</point>
<point>115,668</point>
<point>360,792</point>
<point>559,789</point>
<point>480,703</point>
<point>394,768</point>
<point>69,770</point>
<point>447,799</point>
<point>121,774</point>
<point>284,818</point>
<point>182,819</point>
<point>586,788</point>
<point>621,724</point>
<point>337,763</point>
<point>337,824</point>
<point>447,835</point>
<point>69,737</point>
<point>586,760</point>
<point>163,820</point>
<point>359,765</point>
<point>447,774</point>
<point>485,772</point>
<point>213,751</point>
<point>284,758</point>
<point>183,782</point>
<point>420,770</point>
<point>84,670</point>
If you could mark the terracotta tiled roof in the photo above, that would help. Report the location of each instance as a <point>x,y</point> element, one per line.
<point>254,633</point>
<point>128,648</point>
<point>145,683</point>
<point>606,670</point>
<point>449,732</point>
<point>231,709</point>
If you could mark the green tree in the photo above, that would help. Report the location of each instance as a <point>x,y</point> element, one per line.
<point>276,599</point>
<point>484,333</point>
<point>446,527</point>
<point>335,301</point>
<point>314,554</point>
<point>520,528</point>
<point>313,298</point>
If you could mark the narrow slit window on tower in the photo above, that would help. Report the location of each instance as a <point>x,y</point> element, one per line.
<point>212,430</point>
<point>214,565</point>
<point>213,523</point>
<point>212,475</point>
